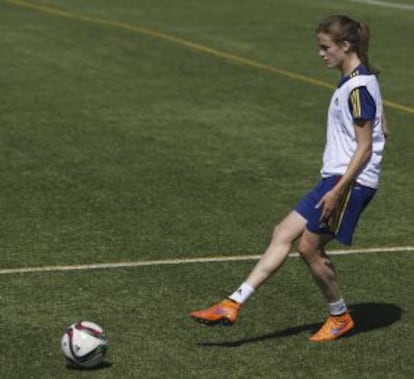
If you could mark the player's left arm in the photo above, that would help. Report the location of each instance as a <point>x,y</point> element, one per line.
<point>363,111</point>
<point>385,127</point>
<point>363,135</point>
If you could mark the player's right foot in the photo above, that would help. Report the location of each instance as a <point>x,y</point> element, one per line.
<point>223,313</point>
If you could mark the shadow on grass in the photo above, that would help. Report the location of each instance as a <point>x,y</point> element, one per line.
<point>367,317</point>
<point>102,366</point>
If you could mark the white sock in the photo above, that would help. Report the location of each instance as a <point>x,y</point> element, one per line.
<point>242,293</point>
<point>337,308</point>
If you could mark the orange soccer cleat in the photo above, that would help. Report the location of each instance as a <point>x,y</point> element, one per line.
<point>333,328</point>
<point>223,313</point>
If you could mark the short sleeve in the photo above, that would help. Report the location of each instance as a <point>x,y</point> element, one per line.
<point>362,105</point>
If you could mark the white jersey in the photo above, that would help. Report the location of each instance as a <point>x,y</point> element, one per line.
<point>341,142</point>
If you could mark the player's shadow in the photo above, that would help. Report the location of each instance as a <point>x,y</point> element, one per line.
<point>367,317</point>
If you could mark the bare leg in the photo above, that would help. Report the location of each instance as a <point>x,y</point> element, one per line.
<point>285,233</point>
<point>312,249</point>
<point>226,312</point>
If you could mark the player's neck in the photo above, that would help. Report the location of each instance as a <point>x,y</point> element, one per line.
<point>350,64</point>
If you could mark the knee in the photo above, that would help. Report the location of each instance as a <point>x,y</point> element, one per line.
<point>307,251</point>
<point>304,254</point>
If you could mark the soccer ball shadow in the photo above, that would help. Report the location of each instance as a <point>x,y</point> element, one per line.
<point>367,317</point>
<point>101,366</point>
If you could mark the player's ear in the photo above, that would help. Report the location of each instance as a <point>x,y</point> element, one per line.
<point>346,46</point>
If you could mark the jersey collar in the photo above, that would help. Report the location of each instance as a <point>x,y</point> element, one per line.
<point>360,70</point>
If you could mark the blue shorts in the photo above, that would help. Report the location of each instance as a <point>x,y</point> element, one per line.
<point>345,219</point>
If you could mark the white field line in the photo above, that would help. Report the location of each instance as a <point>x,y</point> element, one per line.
<point>386,4</point>
<point>178,261</point>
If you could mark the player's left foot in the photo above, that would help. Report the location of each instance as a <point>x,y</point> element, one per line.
<point>333,328</point>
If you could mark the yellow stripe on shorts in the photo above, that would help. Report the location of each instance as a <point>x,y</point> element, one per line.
<point>339,214</point>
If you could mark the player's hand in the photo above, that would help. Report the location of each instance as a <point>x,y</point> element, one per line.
<point>328,203</point>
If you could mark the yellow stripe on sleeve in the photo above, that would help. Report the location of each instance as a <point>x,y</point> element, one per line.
<point>356,103</point>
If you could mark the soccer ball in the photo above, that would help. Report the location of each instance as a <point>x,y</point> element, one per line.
<point>84,344</point>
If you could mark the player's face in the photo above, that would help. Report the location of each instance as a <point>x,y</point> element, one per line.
<point>332,54</point>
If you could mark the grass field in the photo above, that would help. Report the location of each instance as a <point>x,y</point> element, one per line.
<point>152,130</point>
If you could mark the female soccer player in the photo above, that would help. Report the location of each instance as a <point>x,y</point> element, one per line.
<point>350,173</point>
